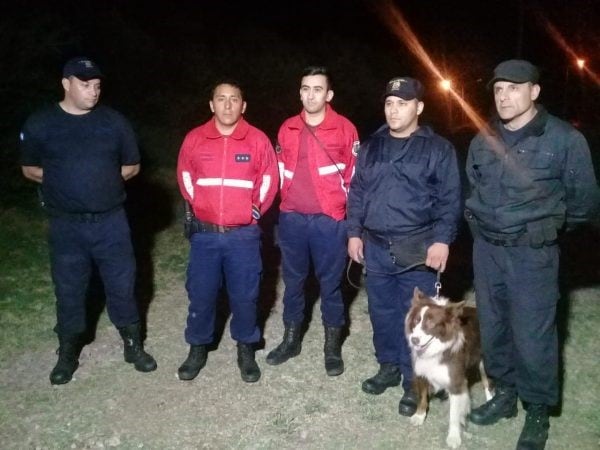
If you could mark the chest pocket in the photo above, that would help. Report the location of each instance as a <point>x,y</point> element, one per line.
<point>541,164</point>
<point>483,166</point>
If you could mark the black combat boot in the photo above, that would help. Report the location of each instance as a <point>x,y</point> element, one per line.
<point>502,405</point>
<point>249,370</point>
<point>334,365</point>
<point>195,361</point>
<point>535,430</point>
<point>290,345</point>
<point>134,349</point>
<point>408,403</point>
<point>68,359</point>
<point>388,375</point>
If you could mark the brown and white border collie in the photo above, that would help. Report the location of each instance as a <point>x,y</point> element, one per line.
<point>445,346</point>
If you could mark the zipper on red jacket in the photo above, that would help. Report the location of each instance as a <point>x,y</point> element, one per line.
<point>222,188</point>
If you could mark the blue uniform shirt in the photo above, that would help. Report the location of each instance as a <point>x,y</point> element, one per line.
<point>81,156</point>
<point>405,186</point>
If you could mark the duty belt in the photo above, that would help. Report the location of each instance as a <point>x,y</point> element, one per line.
<point>522,240</point>
<point>82,216</point>
<point>207,227</point>
<point>528,237</point>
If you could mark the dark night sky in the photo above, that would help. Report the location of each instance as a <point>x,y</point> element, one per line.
<point>161,57</point>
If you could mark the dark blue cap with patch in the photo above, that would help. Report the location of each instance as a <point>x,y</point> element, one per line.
<point>82,68</point>
<point>404,87</point>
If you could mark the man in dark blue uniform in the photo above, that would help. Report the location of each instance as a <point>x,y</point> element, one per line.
<point>404,199</point>
<point>531,175</point>
<point>81,154</point>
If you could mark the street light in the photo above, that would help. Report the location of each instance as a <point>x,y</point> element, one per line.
<point>446,84</point>
<point>580,63</point>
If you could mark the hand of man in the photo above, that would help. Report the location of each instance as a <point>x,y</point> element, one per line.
<point>437,255</point>
<point>355,249</point>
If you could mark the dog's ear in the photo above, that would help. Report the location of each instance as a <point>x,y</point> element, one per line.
<point>456,308</point>
<point>418,296</point>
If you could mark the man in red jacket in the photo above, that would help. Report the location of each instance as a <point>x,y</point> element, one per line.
<point>227,171</point>
<point>316,153</point>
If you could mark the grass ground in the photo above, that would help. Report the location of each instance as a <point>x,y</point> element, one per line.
<point>109,405</point>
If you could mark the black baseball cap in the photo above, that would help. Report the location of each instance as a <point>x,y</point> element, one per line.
<point>515,70</point>
<point>404,87</point>
<point>82,68</point>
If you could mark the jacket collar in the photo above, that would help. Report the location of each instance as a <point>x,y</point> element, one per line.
<point>329,122</point>
<point>239,132</point>
<point>535,127</point>
<point>424,131</point>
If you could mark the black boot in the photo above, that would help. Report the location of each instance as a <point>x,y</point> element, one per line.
<point>134,349</point>
<point>249,370</point>
<point>502,405</point>
<point>535,430</point>
<point>334,365</point>
<point>388,376</point>
<point>195,361</point>
<point>408,403</point>
<point>290,345</point>
<point>68,359</point>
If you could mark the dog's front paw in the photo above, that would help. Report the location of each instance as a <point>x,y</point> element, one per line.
<point>453,440</point>
<point>489,394</point>
<point>417,419</point>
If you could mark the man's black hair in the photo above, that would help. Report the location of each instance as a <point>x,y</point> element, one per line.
<point>318,70</point>
<point>230,81</point>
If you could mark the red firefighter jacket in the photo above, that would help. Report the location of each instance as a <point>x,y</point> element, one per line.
<point>224,177</point>
<point>331,161</point>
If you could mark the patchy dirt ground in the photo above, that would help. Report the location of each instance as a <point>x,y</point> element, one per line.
<point>295,405</point>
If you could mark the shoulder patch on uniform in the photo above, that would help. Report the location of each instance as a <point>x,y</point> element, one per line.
<point>278,148</point>
<point>242,157</point>
<point>355,147</point>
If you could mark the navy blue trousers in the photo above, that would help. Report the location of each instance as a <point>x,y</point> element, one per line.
<point>390,296</point>
<point>517,292</point>
<point>74,247</point>
<point>233,258</point>
<point>316,237</point>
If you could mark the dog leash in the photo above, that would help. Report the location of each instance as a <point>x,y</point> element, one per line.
<point>437,285</point>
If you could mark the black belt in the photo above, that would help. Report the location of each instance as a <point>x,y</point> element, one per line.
<point>82,216</point>
<point>508,242</point>
<point>207,227</point>
<point>521,241</point>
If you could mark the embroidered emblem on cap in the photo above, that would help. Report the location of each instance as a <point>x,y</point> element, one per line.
<point>395,84</point>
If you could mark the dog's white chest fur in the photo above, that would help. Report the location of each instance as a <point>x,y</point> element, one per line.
<point>434,371</point>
